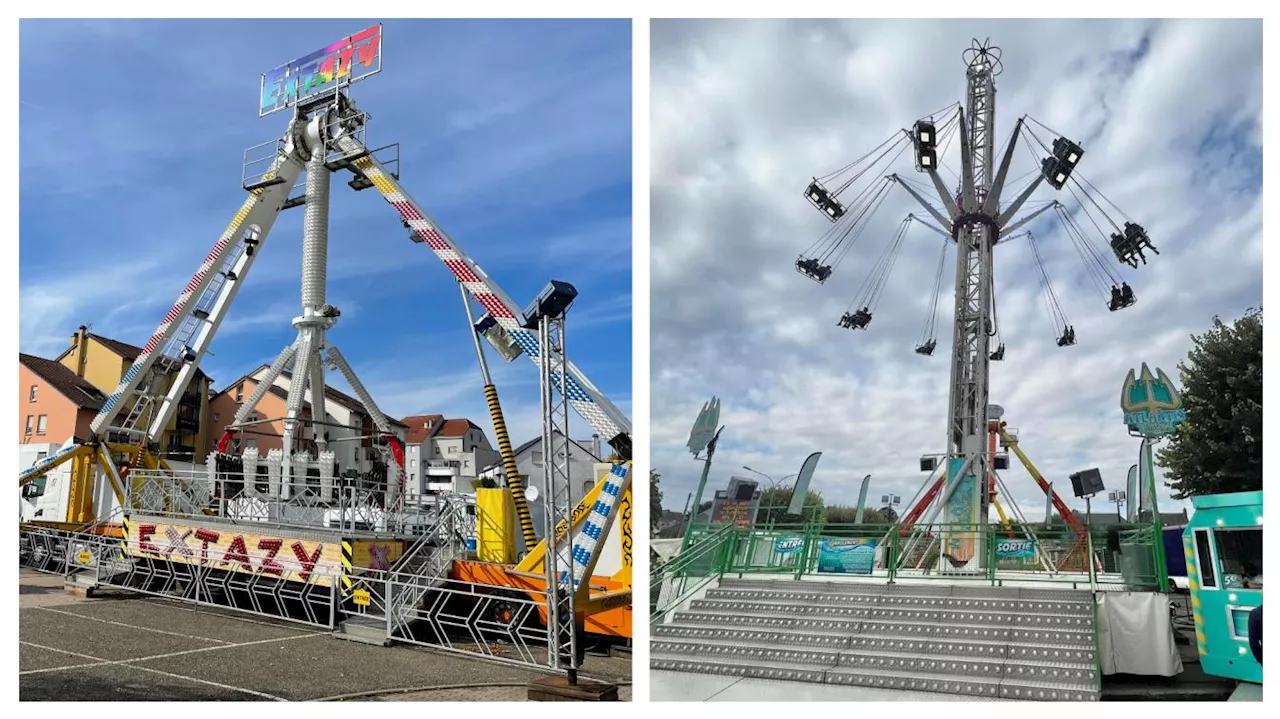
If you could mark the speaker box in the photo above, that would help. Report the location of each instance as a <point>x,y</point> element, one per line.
<point>1087,482</point>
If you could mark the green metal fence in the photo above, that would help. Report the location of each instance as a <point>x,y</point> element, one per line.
<point>702,561</point>
<point>1117,555</point>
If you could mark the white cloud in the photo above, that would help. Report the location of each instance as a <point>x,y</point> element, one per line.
<point>745,113</point>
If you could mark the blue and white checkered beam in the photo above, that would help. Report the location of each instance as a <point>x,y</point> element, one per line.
<point>578,396</point>
<point>41,464</point>
<point>586,543</point>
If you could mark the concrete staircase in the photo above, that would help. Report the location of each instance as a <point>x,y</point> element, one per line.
<point>999,643</point>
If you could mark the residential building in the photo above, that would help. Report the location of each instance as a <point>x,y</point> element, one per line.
<point>348,427</point>
<point>102,361</point>
<point>583,458</point>
<point>445,455</point>
<point>54,403</point>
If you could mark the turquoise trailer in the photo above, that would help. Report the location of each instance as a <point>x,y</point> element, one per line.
<point>1223,547</point>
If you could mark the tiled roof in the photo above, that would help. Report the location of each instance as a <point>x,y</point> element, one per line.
<point>66,382</point>
<point>456,428</point>
<point>417,424</point>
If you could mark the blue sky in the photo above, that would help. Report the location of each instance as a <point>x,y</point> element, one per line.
<point>514,135</point>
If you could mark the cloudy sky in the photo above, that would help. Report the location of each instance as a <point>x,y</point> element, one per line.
<point>745,113</point>
<point>516,136</point>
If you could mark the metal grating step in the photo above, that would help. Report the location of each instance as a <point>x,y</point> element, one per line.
<point>986,633</point>
<point>716,619</point>
<point>739,668</point>
<point>762,636</point>
<point>1046,691</point>
<point>717,649</point>
<point>941,683</point>
<point>792,608</point>
<point>1006,604</point>
<point>920,664</point>
<point>1074,596</point>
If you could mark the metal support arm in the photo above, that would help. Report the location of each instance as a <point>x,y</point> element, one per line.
<point>942,220</point>
<point>1017,204</point>
<point>1022,222</point>
<point>992,205</point>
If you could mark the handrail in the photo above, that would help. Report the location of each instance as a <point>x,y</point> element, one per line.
<point>713,550</point>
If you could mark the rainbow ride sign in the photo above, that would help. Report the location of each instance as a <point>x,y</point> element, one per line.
<point>348,60</point>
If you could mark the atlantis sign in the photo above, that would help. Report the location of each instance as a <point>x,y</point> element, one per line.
<point>1151,404</point>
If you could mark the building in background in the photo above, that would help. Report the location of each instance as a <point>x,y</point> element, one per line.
<point>585,462</point>
<point>444,455</point>
<point>348,427</point>
<point>54,403</point>
<point>103,361</point>
<point>63,394</point>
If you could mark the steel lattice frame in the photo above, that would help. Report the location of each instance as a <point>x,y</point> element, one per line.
<point>558,504</point>
<point>970,359</point>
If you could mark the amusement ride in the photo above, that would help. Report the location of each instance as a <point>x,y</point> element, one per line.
<point>979,214</point>
<point>289,533</point>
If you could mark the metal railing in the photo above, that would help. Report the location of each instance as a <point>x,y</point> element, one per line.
<point>706,559</point>
<point>1111,556</point>
<point>247,497</point>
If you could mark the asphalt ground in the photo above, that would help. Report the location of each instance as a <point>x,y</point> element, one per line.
<point>134,648</point>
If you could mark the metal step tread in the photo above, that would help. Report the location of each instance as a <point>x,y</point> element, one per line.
<point>885,679</point>
<point>1080,596</point>
<point>736,651</point>
<point>777,637</point>
<point>870,610</point>
<point>854,625</point>
<point>1001,643</point>
<point>1037,606</point>
<point>763,663</point>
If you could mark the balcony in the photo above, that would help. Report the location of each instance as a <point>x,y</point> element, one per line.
<point>188,424</point>
<point>443,468</point>
<point>190,400</point>
<point>181,451</point>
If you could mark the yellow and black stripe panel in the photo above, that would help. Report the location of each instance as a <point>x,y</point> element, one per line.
<point>348,550</point>
<point>124,539</point>
<point>509,468</point>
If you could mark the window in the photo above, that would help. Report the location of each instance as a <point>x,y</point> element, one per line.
<point>586,486</point>
<point>30,423</point>
<point>42,423</point>
<point>41,455</point>
<point>1204,560</point>
<point>215,416</point>
<point>251,444</point>
<point>31,396</point>
<point>453,449</point>
<point>537,458</point>
<point>1240,556</point>
<point>413,464</point>
<point>240,392</point>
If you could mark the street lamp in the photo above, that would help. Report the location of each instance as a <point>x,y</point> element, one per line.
<point>773,483</point>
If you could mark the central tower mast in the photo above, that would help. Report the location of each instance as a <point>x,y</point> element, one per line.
<point>976,231</point>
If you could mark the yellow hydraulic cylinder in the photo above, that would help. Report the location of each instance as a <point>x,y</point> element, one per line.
<point>495,535</point>
<point>514,483</point>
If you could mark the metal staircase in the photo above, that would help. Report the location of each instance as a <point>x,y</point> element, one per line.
<point>395,595</point>
<point>1005,643</point>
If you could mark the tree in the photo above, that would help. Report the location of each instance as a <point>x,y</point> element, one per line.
<point>655,502</point>
<point>1219,447</point>
<point>773,507</point>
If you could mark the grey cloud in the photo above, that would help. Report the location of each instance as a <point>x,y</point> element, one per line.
<point>743,113</point>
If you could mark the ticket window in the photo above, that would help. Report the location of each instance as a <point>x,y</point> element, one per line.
<point>1239,557</point>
